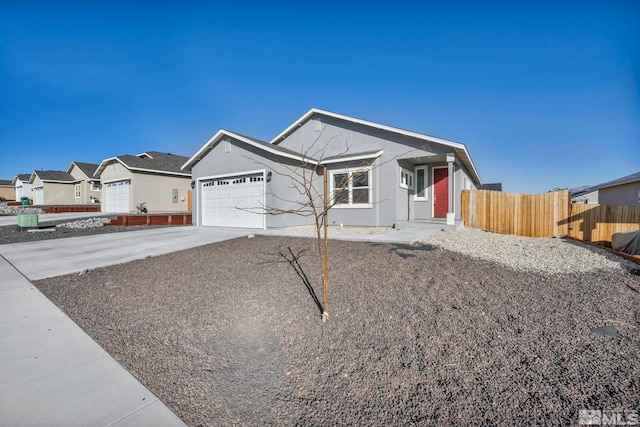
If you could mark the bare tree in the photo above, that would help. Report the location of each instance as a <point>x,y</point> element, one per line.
<point>314,200</point>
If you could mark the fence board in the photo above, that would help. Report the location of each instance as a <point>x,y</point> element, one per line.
<point>597,223</point>
<point>539,215</point>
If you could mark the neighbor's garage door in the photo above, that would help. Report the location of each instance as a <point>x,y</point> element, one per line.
<point>117,195</point>
<point>224,201</point>
<point>38,196</point>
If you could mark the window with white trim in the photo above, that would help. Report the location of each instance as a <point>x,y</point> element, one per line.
<point>351,187</point>
<point>406,178</point>
<point>77,191</point>
<point>421,183</point>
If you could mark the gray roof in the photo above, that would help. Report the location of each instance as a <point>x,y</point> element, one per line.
<point>634,177</point>
<point>585,189</point>
<point>149,161</point>
<point>272,146</point>
<point>496,186</point>
<point>155,160</point>
<point>54,176</point>
<point>89,169</point>
<point>24,177</point>
<point>6,183</point>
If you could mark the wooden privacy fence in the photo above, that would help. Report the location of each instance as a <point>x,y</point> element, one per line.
<point>546,215</point>
<point>597,223</point>
<point>532,215</point>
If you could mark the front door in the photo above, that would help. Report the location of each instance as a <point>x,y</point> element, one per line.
<point>440,192</point>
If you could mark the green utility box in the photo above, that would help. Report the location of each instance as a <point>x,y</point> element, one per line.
<point>27,220</point>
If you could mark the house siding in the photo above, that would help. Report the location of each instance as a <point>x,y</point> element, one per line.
<point>244,158</point>
<point>153,189</point>
<point>23,189</point>
<point>626,194</point>
<point>390,199</point>
<point>55,193</point>
<point>86,193</point>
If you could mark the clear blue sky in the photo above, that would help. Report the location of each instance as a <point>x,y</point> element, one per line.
<point>544,93</point>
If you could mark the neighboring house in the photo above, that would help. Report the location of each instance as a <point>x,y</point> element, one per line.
<point>495,186</point>
<point>52,187</point>
<point>153,177</point>
<point>7,190</point>
<point>621,191</point>
<point>390,174</point>
<point>22,186</point>
<point>584,194</point>
<point>87,189</point>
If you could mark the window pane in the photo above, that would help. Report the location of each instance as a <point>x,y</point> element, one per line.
<point>341,196</point>
<point>361,196</point>
<point>420,183</point>
<point>340,180</point>
<point>360,179</point>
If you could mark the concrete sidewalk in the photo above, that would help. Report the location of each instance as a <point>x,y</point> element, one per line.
<point>52,373</point>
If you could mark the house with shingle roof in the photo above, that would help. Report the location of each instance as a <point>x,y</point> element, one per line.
<point>376,175</point>
<point>22,186</point>
<point>52,187</point>
<point>621,191</point>
<point>152,177</point>
<point>87,189</point>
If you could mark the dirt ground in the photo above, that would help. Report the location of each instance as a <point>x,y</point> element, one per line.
<point>229,334</point>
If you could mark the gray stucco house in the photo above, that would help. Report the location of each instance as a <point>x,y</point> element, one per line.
<point>380,175</point>
<point>621,191</point>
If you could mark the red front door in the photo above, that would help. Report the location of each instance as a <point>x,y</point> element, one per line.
<point>440,192</point>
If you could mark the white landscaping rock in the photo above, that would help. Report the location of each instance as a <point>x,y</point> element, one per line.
<point>546,255</point>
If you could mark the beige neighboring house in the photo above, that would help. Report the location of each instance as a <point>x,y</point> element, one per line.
<point>22,186</point>
<point>87,189</point>
<point>52,188</point>
<point>152,177</point>
<point>7,190</point>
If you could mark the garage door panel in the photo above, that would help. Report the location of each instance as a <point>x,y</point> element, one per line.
<point>117,195</point>
<point>225,201</point>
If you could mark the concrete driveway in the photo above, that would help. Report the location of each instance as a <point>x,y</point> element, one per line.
<point>56,257</point>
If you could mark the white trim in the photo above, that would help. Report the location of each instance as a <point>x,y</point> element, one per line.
<point>134,169</point>
<point>427,138</point>
<point>217,136</point>
<point>433,189</point>
<point>116,180</point>
<point>424,198</point>
<point>77,191</point>
<point>353,158</point>
<point>350,172</point>
<point>406,173</point>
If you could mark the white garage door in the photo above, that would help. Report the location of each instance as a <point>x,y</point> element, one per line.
<point>38,196</point>
<point>117,195</point>
<point>225,200</point>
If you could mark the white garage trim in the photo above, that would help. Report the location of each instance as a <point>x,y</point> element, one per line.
<point>232,200</point>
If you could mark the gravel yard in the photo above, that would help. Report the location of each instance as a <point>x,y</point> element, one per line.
<point>516,331</point>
